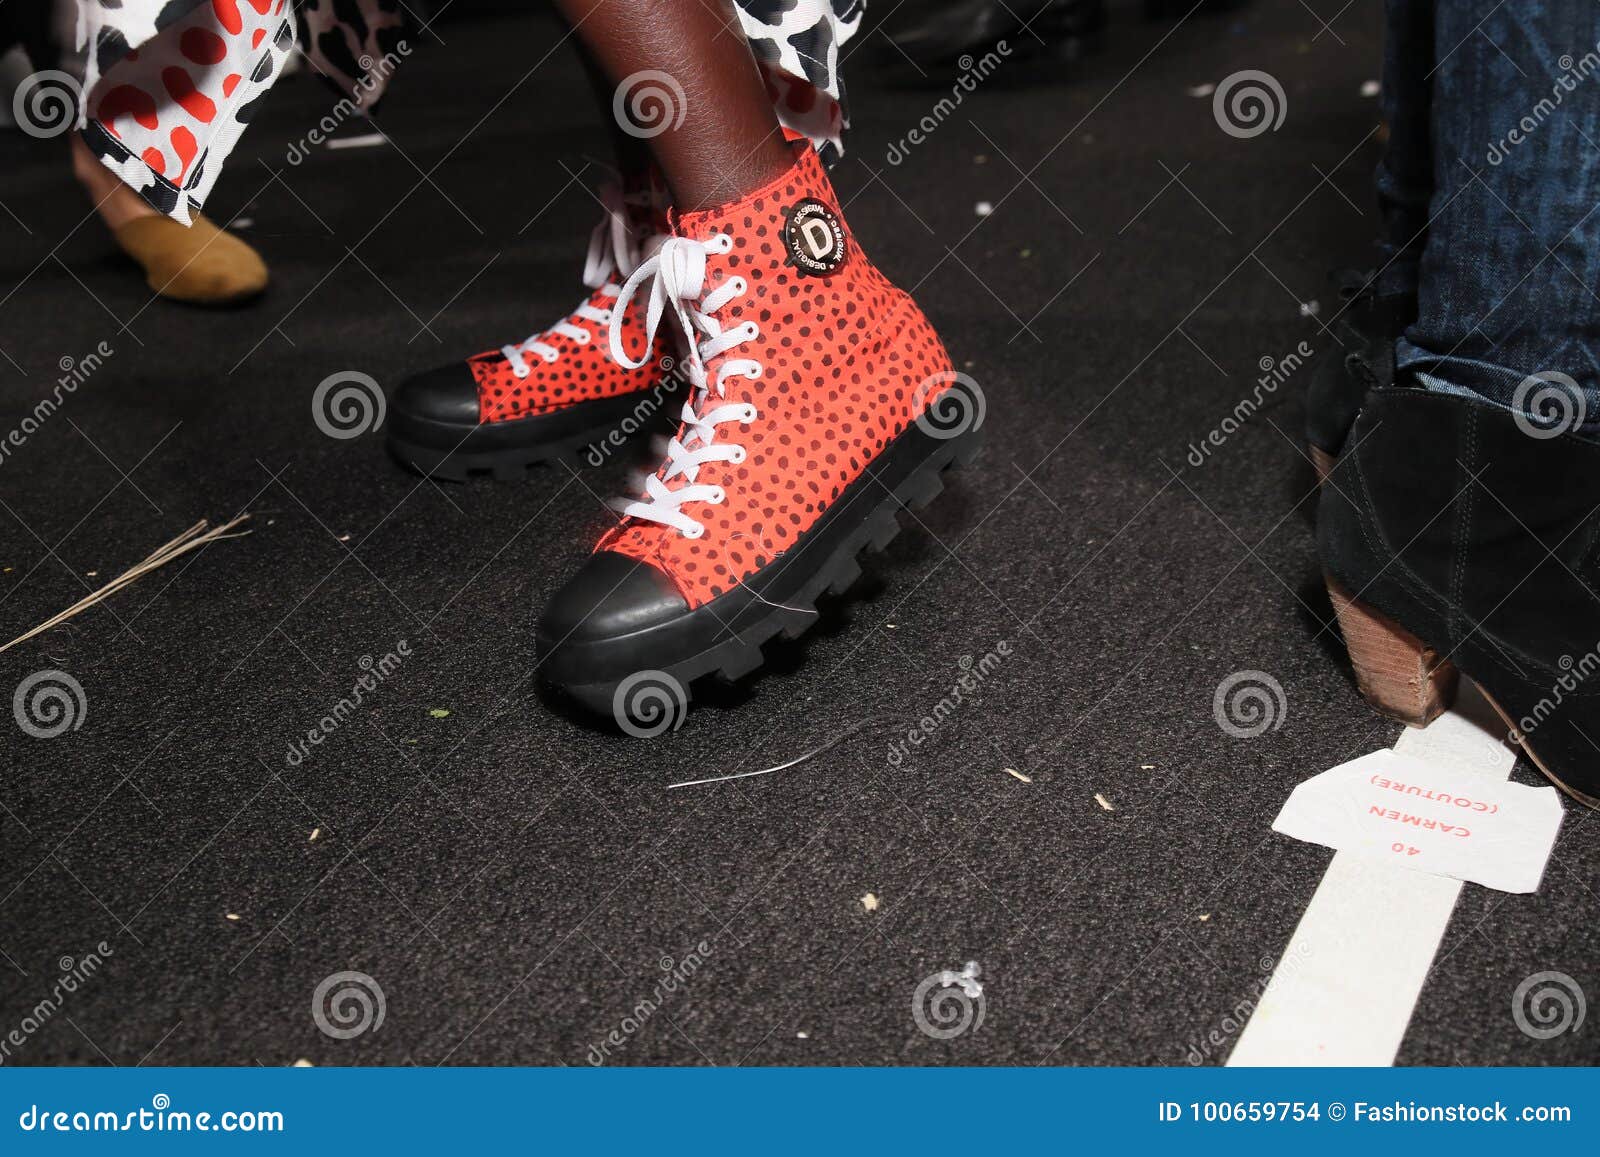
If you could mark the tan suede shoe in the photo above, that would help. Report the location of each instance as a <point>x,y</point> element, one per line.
<point>201,264</point>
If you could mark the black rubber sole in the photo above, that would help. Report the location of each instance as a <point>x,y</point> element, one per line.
<point>723,638</point>
<point>594,431</point>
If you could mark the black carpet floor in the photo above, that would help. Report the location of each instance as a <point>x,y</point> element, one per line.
<point>513,879</point>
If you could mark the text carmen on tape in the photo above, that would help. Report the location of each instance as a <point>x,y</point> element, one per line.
<point>1429,817</point>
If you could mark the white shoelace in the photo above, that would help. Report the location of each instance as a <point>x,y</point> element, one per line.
<point>612,250</point>
<point>677,275</point>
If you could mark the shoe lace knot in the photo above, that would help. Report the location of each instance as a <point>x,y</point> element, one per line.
<point>677,277</point>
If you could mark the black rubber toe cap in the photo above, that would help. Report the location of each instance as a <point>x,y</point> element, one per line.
<point>611,597</point>
<point>446,396</point>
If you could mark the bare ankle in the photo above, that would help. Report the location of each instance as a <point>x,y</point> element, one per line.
<point>116,203</point>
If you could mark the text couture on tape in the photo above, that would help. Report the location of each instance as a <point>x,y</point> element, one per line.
<point>1430,818</point>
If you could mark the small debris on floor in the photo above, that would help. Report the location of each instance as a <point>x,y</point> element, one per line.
<point>870,902</point>
<point>344,538</point>
<point>871,720</point>
<point>1310,308</point>
<point>439,712</point>
<point>243,222</point>
<point>233,916</point>
<point>891,626</point>
<point>980,159</point>
<point>90,573</point>
<point>364,141</point>
<point>1015,774</point>
<point>1370,88</point>
<point>1204,916</point>
<point>1025,254</point>
<point>315,832</point>
<point>983,208</point>
<point>966,979</point>
<point>302,1063</point>
<point>1200,90</point>
<point>802,1036</point>
<point>1105,804</point>
<point>1147,767</point>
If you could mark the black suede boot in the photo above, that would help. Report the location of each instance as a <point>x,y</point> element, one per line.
<point>1457,536</point>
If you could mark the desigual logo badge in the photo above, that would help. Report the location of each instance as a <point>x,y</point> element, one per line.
<point>814,238</point>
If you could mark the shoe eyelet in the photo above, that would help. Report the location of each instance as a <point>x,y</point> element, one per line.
<point>742,454</point>
<point>718,497</point>
<point>723,242</point>
<point>521,373</point>
<point>751,331</point>
<point>750,414</point>
<point>697,532</point>
<point>755,372</point>
<point>551,359</point>
<point>585,339</point>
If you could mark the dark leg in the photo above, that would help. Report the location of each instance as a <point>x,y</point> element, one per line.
<point>1405,174</point>
<point>720,139</point>
<point>1508,311</point>
<point>632,152</point>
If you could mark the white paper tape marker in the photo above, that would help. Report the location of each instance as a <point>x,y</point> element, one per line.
<point>1429,817</point>
<point>1346,985</point>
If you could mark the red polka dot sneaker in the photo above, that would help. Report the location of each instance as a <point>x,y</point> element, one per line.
<point>558,392</point>
<point>822,402</point>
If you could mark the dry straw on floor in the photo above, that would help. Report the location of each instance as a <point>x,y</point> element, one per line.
<point>198,535</point>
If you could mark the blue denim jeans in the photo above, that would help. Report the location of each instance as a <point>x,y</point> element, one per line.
<point>1490,193</point>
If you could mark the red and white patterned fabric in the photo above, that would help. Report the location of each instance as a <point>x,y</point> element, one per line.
<point>164,115</point>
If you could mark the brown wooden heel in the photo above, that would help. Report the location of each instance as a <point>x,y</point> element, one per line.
<point>1399,675</point>
<point>1322,462</point>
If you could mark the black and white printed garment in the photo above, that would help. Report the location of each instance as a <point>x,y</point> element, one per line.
<point>170,85</point>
